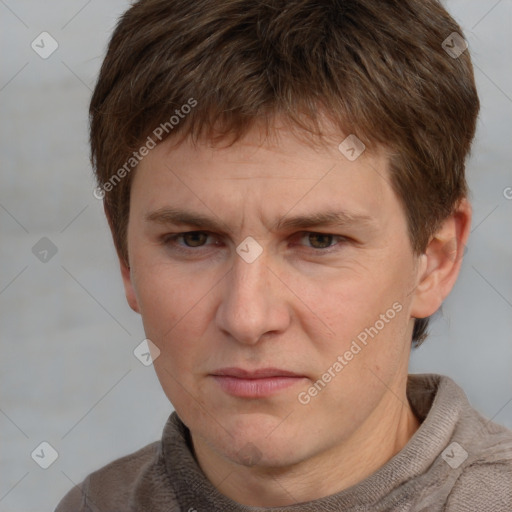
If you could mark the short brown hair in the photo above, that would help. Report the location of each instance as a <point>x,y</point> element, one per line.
<point>378,69</point>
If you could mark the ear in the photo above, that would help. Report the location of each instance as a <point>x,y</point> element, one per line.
<point>129,289</point>
<point>126,272</point>
<point>439,266</point>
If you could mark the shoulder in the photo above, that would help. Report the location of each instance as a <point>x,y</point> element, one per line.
<point>473,467</point>
<point>482,486</point>
<point>113,486</point>
<point>485,480</point>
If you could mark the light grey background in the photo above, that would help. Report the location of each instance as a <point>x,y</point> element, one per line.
<point>69,376</point>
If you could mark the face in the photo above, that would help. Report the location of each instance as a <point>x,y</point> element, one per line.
<point>277,281</point>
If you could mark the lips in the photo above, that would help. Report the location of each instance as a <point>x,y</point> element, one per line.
<point>257,383</point>
<point>254,374</point>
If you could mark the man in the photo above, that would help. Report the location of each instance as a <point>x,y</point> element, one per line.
<point>284,182</point>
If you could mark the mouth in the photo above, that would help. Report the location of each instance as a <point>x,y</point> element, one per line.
<point>256,383</point>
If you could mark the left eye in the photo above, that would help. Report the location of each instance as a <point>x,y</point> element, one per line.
<point>320,240</point>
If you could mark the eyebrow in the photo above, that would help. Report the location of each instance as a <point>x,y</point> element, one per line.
<point>167,216</point>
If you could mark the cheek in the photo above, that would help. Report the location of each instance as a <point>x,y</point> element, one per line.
<point>174,319</point>
<point>346,304</point>
<point>171,308</point>
<point>360,361</point>
<point>366,312</point>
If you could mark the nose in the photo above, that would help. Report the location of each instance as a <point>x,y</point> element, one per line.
<point>253,303</point>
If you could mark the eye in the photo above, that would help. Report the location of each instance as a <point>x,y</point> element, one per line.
<point>194,238</point>
<point>187,240</point>
<point>321,241</point>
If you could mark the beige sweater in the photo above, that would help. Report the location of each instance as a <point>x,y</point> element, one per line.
<point>457,461</point>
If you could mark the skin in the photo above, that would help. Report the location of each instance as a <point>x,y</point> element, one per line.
<point>292,308</point>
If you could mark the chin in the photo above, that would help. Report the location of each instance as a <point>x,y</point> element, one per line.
<point>273,438</point>
<point>265,442</point>
<point>262,453</point>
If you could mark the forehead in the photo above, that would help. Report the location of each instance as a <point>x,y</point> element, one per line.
<point>273,143</point>
<point>267,177</point>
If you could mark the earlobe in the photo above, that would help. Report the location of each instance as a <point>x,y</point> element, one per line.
<point>439,266</point>
<point>129,290</point>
